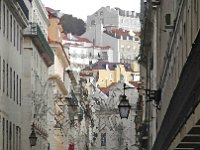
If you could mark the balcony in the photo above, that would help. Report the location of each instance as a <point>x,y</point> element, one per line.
<point>24,8</point>
<point>40,42</point>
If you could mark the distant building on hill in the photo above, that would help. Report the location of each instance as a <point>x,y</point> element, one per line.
<point>119,29</point>
<point>82,52</point>
<point>127,20</point>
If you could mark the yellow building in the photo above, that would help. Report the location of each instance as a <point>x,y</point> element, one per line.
<point>107,73</point>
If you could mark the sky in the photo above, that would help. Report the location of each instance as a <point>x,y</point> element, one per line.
<point>82,8</point>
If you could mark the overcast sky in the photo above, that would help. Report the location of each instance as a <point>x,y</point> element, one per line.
<point>83,8</point>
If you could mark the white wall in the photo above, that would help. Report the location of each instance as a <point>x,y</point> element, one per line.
<point>108,120</point>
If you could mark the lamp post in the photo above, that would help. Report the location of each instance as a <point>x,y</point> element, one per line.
<point>124,106</point>
<point>33,137</point>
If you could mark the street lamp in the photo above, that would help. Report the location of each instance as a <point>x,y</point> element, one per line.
<point>124,106</point>
<point>33,137</point>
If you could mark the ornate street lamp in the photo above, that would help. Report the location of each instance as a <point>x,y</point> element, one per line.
<point>33,137</point>
<point>124,106</point>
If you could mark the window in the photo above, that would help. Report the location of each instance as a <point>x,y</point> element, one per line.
<point>4,18</point>
<point>13,136</point>
<point>6,134</point>
<point>14,32</point>
<point>103,139</point>
<point>10,136</point>
<point>93,22</point>
<point>14,85</point>
<point>18,37</point>
<point>19,138</point>
<point>3,75</point>
<point>16,137</point>
<point>3,128</point>
<point>10,82</point>
<point>7,79</point>
<point>21,39</point>
<point>59,33</point>
<point>137,39</point>
<point>0,131</point>
<point>0,72</point>
<point>7,23</point>
<point>17,90</point>
<point>20,92</point>
<point>102,20</point>
<point>0,13</point>
<point>195,5</point>
<point>110,76</point>
<point>10,27</point>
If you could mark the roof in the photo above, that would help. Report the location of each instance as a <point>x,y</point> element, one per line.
<point>80,39</point>
<point>86,74</point>
<point>103,65</point>
<point>54,13</point>
<point>120,32</point>
<point>70,37</point>
<point>106,90</point>
<point>137,33</point>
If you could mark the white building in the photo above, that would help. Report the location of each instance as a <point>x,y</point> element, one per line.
<point>82,52</point>
<point>14,17</point>
<point>110,27</point>
<point>116,17</point>
<point>125,44</point>
<point>110,131</point>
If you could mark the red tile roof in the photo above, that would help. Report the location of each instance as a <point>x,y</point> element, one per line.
<point>76,38</point>
<point>106,90</point>
<point>52,12</point>
<point>80,39</point>
<point>120,32</point>
<point>137,33</point>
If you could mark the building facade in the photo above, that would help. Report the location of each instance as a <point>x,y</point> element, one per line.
<point>110,131</point>
<point>37,57</point>
<point>127,20</point>
<point>82,52</point>
<point>117,39</point>
<point>14,18</point>
<point>170,62</point>
<point>106,73</point>
<point>56,76</point>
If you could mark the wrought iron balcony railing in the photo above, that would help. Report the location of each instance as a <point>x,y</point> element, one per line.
<point>41,43</point>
